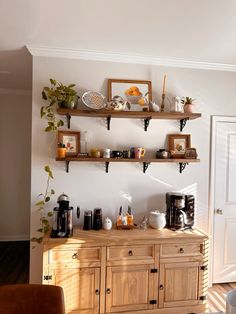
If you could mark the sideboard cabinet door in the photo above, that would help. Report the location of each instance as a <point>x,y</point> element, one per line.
<point>81,289</point>
<point>179,284</point>
<point>129,288</point>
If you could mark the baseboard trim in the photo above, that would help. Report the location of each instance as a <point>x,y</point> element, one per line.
<point>17,237</point>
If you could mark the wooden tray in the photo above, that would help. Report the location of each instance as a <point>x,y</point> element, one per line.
<point>126,227</point>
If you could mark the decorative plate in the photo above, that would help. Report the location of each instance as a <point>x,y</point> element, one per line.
<point>94,100</point>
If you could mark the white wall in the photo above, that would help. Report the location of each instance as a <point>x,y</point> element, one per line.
<point>15,166</point>
<point>87,184</point>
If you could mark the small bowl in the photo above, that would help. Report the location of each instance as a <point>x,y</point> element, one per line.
<point>133,99</point>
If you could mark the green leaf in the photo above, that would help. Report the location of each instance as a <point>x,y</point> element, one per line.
<point>50,214</point>
<point>40,230</point>
<point>37,240</point>
<point>49,171</point>
<point>48,129</point>
<point>60,123</point>
<point>53,82</point>
<point>47,199</point>
<point>71,85</point>
<point>44,95</point>
<point>52,191</point>
<point>47,168</point>
<point>40,203</point>
<point>42,112</point>
<point>50,174</point>
<point>44,221</point>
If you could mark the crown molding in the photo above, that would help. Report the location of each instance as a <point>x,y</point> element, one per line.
<point>127,58</point>
<point>18,92</point>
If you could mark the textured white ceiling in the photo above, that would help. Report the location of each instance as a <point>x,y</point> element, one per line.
<point>200,30</point>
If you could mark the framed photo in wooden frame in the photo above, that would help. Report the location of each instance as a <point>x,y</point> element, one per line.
<point>178,143</point>
<point>71,140</point>
<point>137,92</point>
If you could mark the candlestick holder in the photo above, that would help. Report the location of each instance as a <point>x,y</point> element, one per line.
<point>163,102</point>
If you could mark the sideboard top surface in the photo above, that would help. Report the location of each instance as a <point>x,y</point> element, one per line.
<point>127,237</point>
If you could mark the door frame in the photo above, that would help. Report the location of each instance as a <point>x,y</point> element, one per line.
<point>214,120</point>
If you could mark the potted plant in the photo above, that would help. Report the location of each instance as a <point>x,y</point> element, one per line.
<point>64,96</point>
<point>188,104</point>
<point>61,150</point>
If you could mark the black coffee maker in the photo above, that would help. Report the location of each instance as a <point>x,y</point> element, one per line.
<point>180,211</point>
<point>62,218</point>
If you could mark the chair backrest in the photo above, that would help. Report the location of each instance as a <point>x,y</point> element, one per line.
<point>31,299</point>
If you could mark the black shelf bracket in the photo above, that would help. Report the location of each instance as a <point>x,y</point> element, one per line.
<point>182,166</point>
<point>67,165</point>
<point>146,123</point>
<point>108,123</point>
<point>107,166</point>
<point>68,117</point>
<point>182,123</point>
<point>145,166</point>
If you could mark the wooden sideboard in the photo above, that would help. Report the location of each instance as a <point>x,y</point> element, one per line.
<point>119,271</point>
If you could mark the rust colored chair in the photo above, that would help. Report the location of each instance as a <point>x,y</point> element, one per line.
<point>31,299</point>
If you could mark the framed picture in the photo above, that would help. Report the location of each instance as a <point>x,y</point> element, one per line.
<point>137,92</point>
<point>71,140</point>
<point>191,153</point>
<point>178,143</point>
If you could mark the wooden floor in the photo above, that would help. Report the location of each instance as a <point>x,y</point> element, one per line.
<point>216,296</point>
<point>14,262</point>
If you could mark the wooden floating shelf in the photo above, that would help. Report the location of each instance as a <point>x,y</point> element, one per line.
<point>146,161</point>
<point>145,115</point>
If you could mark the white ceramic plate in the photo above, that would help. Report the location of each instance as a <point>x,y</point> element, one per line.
<point>94,100</point>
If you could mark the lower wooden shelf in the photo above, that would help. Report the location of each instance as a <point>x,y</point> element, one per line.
<point>183,162</point>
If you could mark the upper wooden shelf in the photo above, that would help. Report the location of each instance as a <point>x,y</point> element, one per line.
<point>145,115</point>
<point>146,161</point>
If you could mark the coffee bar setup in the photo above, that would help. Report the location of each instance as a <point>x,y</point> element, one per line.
<point>158,264</point>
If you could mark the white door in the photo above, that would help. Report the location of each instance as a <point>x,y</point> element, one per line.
<point>224,261</point>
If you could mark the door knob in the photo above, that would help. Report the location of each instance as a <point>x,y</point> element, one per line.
<point>219,211</point>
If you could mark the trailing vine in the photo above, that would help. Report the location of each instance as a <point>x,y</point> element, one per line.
<point>56,94</point>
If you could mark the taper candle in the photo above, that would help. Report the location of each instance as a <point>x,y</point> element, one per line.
<point>164,85</point>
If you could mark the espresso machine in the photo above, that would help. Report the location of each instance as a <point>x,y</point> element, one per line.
<point>180,211</point>
<point>62,218</point>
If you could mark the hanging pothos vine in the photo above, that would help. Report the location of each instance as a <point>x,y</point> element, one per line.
<point>55,95</point>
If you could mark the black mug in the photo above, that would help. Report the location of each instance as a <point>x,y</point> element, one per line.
<point>117,154</point>
<point>87,220</point>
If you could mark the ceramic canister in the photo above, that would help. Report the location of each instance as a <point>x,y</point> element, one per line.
<point>107,224</point>
<point>157,220</point>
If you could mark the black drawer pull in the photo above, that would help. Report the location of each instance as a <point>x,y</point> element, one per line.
<point>161,287</point>
<point>181,250</point>
<point>108,291</point>
<point>130,253</point>
<point>75,256</point>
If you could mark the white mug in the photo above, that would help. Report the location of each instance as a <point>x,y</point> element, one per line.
<point>106,153</point>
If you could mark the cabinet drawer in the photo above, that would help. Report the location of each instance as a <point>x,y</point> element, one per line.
<point>75,256</point>
<point>170,250</point>
<point>130,254</point>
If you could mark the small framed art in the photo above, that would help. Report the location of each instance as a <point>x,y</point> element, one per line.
<point>178,143</point>
<point>71,140</point>
<point>137,92</point>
